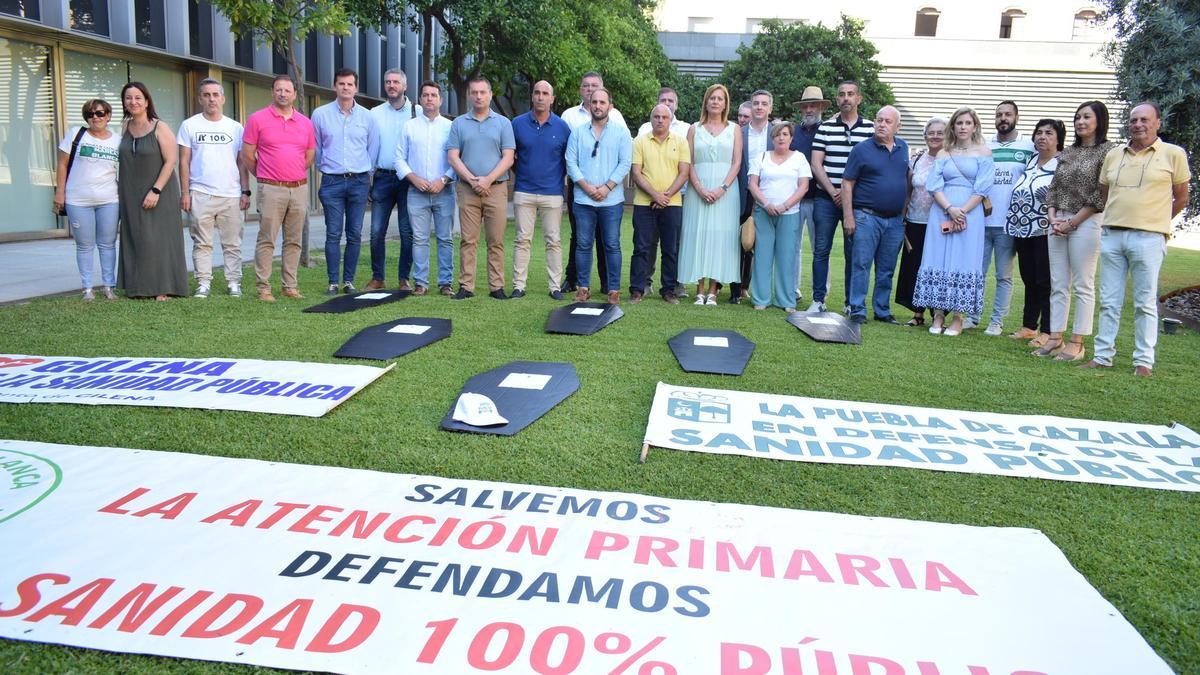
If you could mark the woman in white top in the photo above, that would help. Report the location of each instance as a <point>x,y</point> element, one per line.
<point>88,191</point>
<point>778,181</point>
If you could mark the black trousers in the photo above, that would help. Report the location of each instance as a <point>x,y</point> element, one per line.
<point>910,264</point>
<point>650,227</point>
<point>1033,262</point>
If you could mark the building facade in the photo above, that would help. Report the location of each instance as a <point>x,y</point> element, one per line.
<point>56,54</point>
<point>936,55</point>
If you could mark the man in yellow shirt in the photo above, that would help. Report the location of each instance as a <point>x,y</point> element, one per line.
<point>1143,184</point>
<point>660,167</point>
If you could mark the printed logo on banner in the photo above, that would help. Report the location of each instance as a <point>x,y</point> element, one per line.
<point>25,480</point>
<point>695,406</point>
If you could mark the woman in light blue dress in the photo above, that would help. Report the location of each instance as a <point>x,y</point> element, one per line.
<point>951,276</point>
<point>709,248</point>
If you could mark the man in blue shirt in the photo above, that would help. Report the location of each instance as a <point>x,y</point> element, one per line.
<point>598,159</point>
<point>812,105</point>
<point>874,195</point>
<point>389,190</point>
<point>539,167</point>
<point>347,143</point>
<point>480,150</point>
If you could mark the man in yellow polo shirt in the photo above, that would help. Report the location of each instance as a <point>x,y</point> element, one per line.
<point>660,167</point>
<point>1143,184</point>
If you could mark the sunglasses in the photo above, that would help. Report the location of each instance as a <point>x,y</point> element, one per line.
<point>95,113</point>
<point>595,148</point>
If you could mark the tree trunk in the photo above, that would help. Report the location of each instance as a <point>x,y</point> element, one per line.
<point>298,73</point>
<point>426,47</point>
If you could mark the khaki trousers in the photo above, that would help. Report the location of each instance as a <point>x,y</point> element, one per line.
<point>210,212</point>
<point>526,207</point>
<point>279,208</point>
<point>489,213</point>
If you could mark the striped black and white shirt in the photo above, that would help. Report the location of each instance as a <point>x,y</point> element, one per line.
<point>836,139</point>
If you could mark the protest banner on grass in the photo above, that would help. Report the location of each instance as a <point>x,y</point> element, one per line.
<point>282,387</point>
<point>875,434</point>
<point>330,569</point>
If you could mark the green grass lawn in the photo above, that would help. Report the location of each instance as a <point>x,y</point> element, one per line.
<point>1139,547</point>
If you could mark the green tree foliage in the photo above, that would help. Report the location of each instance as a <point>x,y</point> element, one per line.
<point>1157,57</point>
<point>785,58</point>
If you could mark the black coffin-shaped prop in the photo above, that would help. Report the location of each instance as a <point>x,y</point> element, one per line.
<point>522,392</point>
<point>826,327</point>
<point>349,303</point>
<point>582,318</point>
<point>394,338</point>
<point>705,350</point>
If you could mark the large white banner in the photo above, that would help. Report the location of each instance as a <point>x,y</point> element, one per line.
<point>283,387</point>
<point>344,570</point>
<point>846,432</point>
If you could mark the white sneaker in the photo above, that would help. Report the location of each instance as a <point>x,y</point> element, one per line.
<point>994,329</point>
<point>969,323</point>
<point>846,309</point>
<point>699,299</point>
<point>235,290</point>
<point>201,291</point>
<point>88,295</point>
<point>710,299</point>
<point>817,306</point>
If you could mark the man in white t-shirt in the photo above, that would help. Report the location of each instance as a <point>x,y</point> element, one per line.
<point>1010,153</point>
<point>215,187</point>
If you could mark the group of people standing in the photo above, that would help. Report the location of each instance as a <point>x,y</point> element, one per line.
<point>955,207</point>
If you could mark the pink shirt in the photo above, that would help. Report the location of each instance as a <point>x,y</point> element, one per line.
<point>281,144</point>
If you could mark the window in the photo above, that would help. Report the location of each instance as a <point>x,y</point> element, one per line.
<point>754,25</point>
<point>1087,26</point>
<point>383,55</point>
<point>90,16</point>
<point>279,62</point>
<point>26,9</point>
<point>200,35</point>
<point>1010,22</point>
<point>339,53</point>
<point>310,58</point>
<point>166,85</point>
<point>151,23</point>
<point>243,51</point>
<point>700,24</point>
<point>362,55</point>
<point>927,19</point>
<point>27,137</point>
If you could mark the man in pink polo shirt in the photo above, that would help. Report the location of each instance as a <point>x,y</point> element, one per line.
<point>278,146</point>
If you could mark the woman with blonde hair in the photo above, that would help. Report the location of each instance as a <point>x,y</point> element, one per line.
<point>709,247</point>
<point>951,276</point>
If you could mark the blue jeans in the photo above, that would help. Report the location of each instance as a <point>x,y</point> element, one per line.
<point>95,227</point>
<point>826,216</point>
<point>806,224</point>
<point>775,250</point>
<point>996,240</point>
<point>877,239</point>
<point>344,199</point>
<point>606,219</point>
<point>435,212</point>
<point>390,191</point>
<point>1135,255</point>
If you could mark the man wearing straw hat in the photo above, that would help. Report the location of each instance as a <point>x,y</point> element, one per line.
<point>812,106</point>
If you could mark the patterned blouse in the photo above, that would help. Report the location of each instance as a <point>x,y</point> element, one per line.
<point>920,201</point>
<point>1076,184</point>
<point>1027,210</point>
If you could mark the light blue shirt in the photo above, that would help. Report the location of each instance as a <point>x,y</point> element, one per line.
<point>422,148</point>
<point>345,143</point>
<point>610,163</point>
<point>391,123</point>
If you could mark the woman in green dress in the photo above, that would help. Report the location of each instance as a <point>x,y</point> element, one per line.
<point>152,260</point>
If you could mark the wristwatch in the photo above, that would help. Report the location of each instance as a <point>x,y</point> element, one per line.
<point>447,180</point>
<point>245,193</point>
<point>155,190</point>
<point>725,187</point>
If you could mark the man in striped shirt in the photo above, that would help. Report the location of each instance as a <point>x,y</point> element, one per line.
<point>831,147</point>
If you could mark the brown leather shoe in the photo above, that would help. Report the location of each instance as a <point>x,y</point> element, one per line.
<point>670,299</point>
<point>1094,364</point>
<point>420,290</point>
<point>582,294</point>
<point>292,293</point>
<point>266,296</point>
<point>404,285</point>
<point>445,289</point>
<point>614,297</point>
<point>1142,371</point>
<point>635,297</point>
<point>373,285</point>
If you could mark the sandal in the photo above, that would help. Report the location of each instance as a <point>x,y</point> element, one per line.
<point>1040,340</point>
<point>1051,348</point>
<point>916,321</point>
<point>1077,356</point>
<point>1023,334</point>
